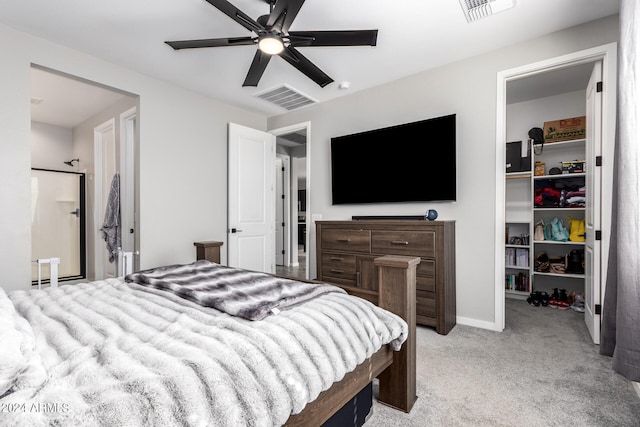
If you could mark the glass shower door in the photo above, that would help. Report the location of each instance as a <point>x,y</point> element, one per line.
<point>58,222</point>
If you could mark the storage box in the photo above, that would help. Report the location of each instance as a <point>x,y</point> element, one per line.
<point>565,129</point>
<point>516,162</point>
<point>574,166</point>
<point>514,155</point>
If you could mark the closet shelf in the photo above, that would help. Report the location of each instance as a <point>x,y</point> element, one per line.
<point>554,242</point>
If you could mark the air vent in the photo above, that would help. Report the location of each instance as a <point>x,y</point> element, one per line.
<point>286,97</point>
<point>478,9</point>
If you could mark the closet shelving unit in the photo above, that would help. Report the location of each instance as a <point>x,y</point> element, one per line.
<point>553,154</point>
<point>523,186</point>
<point>518,225</point>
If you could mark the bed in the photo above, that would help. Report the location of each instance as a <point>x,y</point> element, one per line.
<point>148,350</point>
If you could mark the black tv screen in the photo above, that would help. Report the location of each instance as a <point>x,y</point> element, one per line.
<point>412,162</point>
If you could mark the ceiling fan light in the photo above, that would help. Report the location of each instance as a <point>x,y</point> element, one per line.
<point>271,45</point>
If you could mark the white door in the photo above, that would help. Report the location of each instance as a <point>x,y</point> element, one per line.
<point>105,169</point>
<point>592,214</point>
<point>251,199</point>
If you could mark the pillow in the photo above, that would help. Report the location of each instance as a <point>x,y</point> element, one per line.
<point>20,364</point>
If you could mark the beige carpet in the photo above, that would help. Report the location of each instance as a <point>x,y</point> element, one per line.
<point>542,370</point>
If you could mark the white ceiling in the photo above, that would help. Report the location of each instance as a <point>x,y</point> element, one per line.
<point>63,101</point>
<point>414,35</point>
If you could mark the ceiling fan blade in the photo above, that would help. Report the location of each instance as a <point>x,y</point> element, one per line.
<point>258,65</point>
<point>193,44</point>
<point>334,38</point>
<point>236,14</point>
<point>306,67</point>
<point>283,14</point>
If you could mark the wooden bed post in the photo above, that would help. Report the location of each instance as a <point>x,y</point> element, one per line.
<point>397,293</point>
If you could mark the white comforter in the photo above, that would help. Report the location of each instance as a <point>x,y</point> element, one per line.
<point>118,354</point>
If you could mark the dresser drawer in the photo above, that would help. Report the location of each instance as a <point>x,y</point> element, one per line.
<point>426,283</point>
<point>339,266</point>
<point>339,262</point>
<point>346,240</point>
<point>412,243</point>
<point>425,307</point>
<point>426,268</point>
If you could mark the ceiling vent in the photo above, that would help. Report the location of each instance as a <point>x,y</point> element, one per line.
<point>286,97</point>
<point>478,9</point>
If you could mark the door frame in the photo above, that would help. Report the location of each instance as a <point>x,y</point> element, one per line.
<point>128,125</point>
<point>286,213</point>
<point>98,182</point>
<point>608,55</point>
<point>310,227</point>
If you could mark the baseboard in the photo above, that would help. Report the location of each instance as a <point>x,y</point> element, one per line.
<point>636,387</point>
<point>492,326</point>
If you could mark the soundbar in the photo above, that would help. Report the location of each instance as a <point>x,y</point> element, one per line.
<point>383,217</point>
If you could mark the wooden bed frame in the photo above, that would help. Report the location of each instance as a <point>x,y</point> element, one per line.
<point>395,370</point>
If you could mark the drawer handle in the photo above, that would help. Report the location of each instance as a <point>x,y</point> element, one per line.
<point>399,242</point>
<point>344,240</point>
<point>336,258</point>
<point>335,270</point>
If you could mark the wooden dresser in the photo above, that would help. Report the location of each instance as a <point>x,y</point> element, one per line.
<point>346,250</point>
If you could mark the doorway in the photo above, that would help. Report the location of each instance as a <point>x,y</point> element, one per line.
<point>58,223</point>
<point>291,144</point>
<point>65,113</point>
<point>545,79</point>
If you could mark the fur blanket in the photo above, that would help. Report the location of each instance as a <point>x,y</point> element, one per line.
<point>249,294</point>
<point>121,354</point>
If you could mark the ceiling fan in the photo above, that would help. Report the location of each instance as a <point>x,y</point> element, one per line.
<point>273,37</point>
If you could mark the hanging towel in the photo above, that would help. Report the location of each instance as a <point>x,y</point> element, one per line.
<point>111,227</point>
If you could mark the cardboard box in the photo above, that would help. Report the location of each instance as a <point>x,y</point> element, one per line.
<point>565,129</point>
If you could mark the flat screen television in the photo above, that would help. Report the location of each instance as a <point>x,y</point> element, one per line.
<point>412,162</point>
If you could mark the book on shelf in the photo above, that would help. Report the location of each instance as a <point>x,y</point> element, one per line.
<point>517,282</point>
<point>518,257</point>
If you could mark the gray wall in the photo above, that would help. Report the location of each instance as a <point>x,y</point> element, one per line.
<point>182,162</point>
<point>468,89</point>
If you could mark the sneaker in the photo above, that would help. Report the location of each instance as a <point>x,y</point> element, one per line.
<point>534,299</point>
<point>577,308</point>
<point>553,303</point>
<point>562,305</point>
<point>544,299</point>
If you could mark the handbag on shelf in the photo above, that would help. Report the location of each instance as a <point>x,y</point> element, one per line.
<point>538,231</point>
<point>556,231</point>
<point>542,264</point>
<point>576,230</point>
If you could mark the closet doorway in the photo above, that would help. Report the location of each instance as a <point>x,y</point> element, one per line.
<point>65,112</point>
<point>528,96</point>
